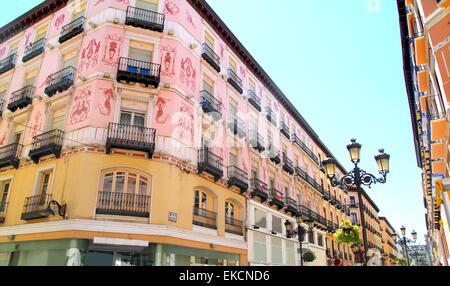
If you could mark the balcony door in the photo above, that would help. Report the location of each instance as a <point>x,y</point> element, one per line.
<point>132,126</point>
<point>4,191</point>
<point>140,59</point>
<point>148,5</point>
<point>229,213</point>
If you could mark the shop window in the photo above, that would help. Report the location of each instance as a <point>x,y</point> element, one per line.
<point>260,218</point>
<point>277,254</point>
<point>290,253</point>
<point>259,247</point>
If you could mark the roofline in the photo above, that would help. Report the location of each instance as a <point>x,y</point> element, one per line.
<point>211,17</point>
<point>407,67</point>
<point>387,222</point>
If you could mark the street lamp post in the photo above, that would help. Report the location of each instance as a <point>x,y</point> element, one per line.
<point>405,240</point>
<point>357,178</point>
<point>300,232</point>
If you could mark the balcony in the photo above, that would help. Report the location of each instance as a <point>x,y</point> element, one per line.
<point>234,226</point>
<point>72,29</point>
<point>235,81</point>
<point>330,227</point>
<point>2,105</point>
<point>311,216</point>
<point>145,19</point>
<point>46,144</point>
<point>3,206</point>
<point>136,71</point>
<point>276,198</point>
<point>60,81</point>
<point>21,98</point>
<point>274,154</point>
<point>210,163</point>
<point>34,206</point>
<point>271,116</point>
<point>131,137</point>
<point>210,105</point>
<point>123,204</point>
<point>254,100</point>
<point>292,207</point>
<point>307,178</point>
<point>256,141</point>
<point>305,148</point>
<point>259,189</point>
<point>237,178</point>
<point>211,57</point>
<point>285,130</point>
<point>333,200</point>
<point>10,154</point>
<point>8,63</point>
<point>33,50</point>
<point>326,196</point>
<point>204,218</point>
<point>236,126</point>
<point>288,165</point>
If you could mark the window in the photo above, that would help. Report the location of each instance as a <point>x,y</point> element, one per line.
<point>208,85</point>
<point>252,85</point>
<point>125,182</point>
<point>276,224</point>
<point>320,239</point>
<point>41,33</point>
<point>4,191</point>
<point>290,252</point>
<point>233,160</point>
<point>260,218</point>
<point>259,247</point>
<point>354,218</point>
<point>233,65</point>
<point>352,200</point>
<point>58,119</point>
<point>277,254</point>
<point>229,211</point>
<point>150,5</point>
<point>78,10</point>
<point>200,200</point>
<point>44,185</point>
<point>132,118</point>
<point>311,237</point>
<point>140,51</point>
<point>209,40</point>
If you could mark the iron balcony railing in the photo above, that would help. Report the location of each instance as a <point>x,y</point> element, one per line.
<point>310,215</point>
<point>45,144</point>
<point>238,178</point>
<point>305,148</point>
<point>210,163</point>
<point>234,226</point>
<point>123,204</point>
<point>236,126</point>
<point>271,116</point>
<point>10,155</point>
<point>210,104</point>
<point>326,195</point>
<point>21,98</point>
<point>256,141</point>
<point>274,154</point>
<point>211,57</point>
<point>34,50</point>
<point>288,165</point>
<point>8,63</point>
<point>259,189</point>
<point>291,206</point>
<point>333,200</point>
<point>132,70</point>
<point>254,100</point>
<point>276,198</point>
<point>311,181</point>
<point>285,130</point>
<point>72,29</point>
<point>145,19</point>
<point>131,137</point>
<point>34,206</point>
<point>205,218</point>
<point>235,81</point>
<point>60,81</point>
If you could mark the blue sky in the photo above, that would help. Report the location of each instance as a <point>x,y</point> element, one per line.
<point>341,66</point>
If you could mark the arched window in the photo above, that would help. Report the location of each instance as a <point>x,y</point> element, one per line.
<point>124,192</point>
<point>229,212</point>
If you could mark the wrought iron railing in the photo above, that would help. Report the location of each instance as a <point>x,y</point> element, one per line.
<point>276,196</point>
<point>139,68</point>
<point>131,137</point>
<point>207,157</point>
<point>145,19</point>
<point>21,98</point>
<point>123,204</point>
<point>60,80</point>
<point>254,100</point>
<point>52,137</point>
<point>210,104</point>
<point>8,63</point>
<point>288,164</point>
<point>72,29</point>
<point>204,218</point>
<point>305,148</point>
<point>271,116</point>
<point>256,140</point>
<point>285,129</point>
<point>237,173</point>
<point>236,125</point>
<point>235,80</point>
<point>211,57</point>
<point>234,226</point>
<point>34,50</point>
<point>35,205</point>
<point>259,188</point>
<point>10,154</point>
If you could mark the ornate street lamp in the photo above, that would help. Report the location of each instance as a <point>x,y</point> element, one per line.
<point>357,178</point>
<point>405,240</point>
<point>300,232</point>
